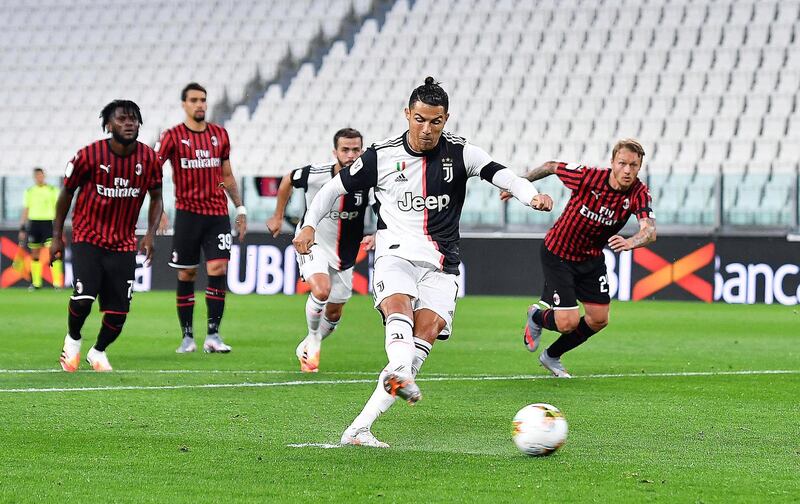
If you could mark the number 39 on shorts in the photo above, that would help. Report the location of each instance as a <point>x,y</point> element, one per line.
<point>225,241</point>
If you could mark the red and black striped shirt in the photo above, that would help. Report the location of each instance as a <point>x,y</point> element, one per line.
<point>594,213</point>
<point>111,192</point>
<point>196,158</point>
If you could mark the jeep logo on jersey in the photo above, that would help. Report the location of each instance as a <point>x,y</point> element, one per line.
<point>447,167</point>
<point>419,203</point>
<point>337,215</point>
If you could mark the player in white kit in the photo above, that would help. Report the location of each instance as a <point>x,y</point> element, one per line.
<point>328,267</point>
<point>420,180</point>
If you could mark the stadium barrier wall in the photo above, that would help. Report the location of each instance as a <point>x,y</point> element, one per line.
<point>708,269</point>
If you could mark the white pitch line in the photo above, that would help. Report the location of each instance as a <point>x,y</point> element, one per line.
<point>314,445</point>
<point>451,378</point>
<point>195,371</point>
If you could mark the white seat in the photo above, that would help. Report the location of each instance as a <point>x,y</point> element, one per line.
<point>716,151</point>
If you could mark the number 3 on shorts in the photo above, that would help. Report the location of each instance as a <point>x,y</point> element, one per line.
<point>225,241</point>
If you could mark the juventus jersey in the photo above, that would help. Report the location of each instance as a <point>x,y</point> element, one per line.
<point>420,195</point>
<point>340,232</point>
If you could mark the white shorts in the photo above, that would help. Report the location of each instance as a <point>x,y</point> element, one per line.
<point>429,288</point>
<point>317,262</point>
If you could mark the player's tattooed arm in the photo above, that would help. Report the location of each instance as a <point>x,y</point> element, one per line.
<point>232,188</point>
<point>229,183</point>
<point>540,172</point>
<point>645,236</point>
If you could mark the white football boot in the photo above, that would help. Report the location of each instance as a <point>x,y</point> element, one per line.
<point>214,344</point>
<point>553,364</point>
<point>187,345</point>
<point>361,437</point>
<point>400,384</point>
<point>70,358</point>
<point>98,360</point>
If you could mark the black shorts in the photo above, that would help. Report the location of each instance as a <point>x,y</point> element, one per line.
<point>104,274</point>
<point>40,232</point>
<point>193,232</point>
<point>567,282</point>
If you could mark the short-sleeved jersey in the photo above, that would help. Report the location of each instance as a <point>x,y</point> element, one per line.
<point>41,202</point>
<point>594,213</point>
<point>196,158</point>
<point>111,192</point>
<point>340,232</point>
<point>420,195</point>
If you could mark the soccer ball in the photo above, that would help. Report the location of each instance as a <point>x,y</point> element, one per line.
<point>539,429</point>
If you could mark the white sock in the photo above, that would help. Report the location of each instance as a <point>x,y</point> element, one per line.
<point>326,327</point>
<point>378,403</point>
<point>421,351</point>
<point>314,309</point>
<point>380,400</point>
<point>400,342</point>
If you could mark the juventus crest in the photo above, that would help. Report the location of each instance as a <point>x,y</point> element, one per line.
<point>447,167</point>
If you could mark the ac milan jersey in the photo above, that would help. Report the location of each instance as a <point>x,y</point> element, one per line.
<point>196,158</point>
<point>340,232</point>
<point>594,213</point>
<point>111,192</point>
<point>420,195</point>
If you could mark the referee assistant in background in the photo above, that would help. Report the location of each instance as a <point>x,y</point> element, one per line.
<point>36,227</point>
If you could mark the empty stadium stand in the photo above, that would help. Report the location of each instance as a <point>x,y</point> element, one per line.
<point>710,88</point>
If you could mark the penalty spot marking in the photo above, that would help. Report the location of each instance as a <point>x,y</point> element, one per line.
<point>430,378</point>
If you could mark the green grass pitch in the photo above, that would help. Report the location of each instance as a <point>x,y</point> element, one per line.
<point>673,402</point>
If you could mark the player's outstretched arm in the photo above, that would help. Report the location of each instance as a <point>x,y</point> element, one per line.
<point>645,236</point>
<point>155,213</point>
<point>63,204</point>
<point>521,189</point>
<point>232,188</point>
<point>538,173</point>
<point>275,222</point>
<point>320,206</point>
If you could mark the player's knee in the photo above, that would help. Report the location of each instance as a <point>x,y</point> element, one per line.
<point>187,274</point>
<point>597,323</point>
<point>567,324</point>
<point>321,292</point>
<point>217,268</point>
<point>81,306</point>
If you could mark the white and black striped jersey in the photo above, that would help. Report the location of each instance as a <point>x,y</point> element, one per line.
<point>420,195</point>
<point>339,234</point>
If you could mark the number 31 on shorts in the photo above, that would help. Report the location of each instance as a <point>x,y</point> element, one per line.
<point>225,241</point>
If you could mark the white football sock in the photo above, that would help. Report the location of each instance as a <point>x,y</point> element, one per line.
<point>378,403</point>
<point>380,400</point>
<point>400,342</point>
<point>314,309</point>
<point>326,327</point>
<point>421,351</point>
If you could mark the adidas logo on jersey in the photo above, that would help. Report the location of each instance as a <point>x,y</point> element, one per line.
<point>401,178</point>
